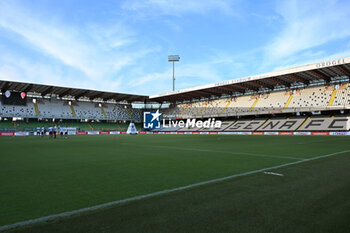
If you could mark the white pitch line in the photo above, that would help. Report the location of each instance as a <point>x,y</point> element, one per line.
<point>108,204</point>
<point>219,151</point>
<point>273,173</point>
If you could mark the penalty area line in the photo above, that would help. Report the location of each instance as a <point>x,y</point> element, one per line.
<point>140,197</point>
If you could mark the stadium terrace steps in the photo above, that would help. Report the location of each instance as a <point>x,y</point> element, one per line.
<point>331,101</point>
<point>60,109</point>
<point>36,109</point>
<point>103,112</point>
<point>255,102</point>
<point>288,101</point>
<point>73,111</point>
<point>200,112</point>
<point>314,98</point>
<point>342,97</point>
<point>184,110</point>
<point>227,105</point>
<point>128,111</point>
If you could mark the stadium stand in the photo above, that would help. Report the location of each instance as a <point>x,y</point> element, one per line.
<point>244,125</point>
<point>272,101</point>
<point>216,107</point>
<point>279,124</point>
<point>325,123</point>
<point>17,111</point>
<point>342,96</point>
<point>285,100</point>
<point>53,108</point>
<point>314,123</point>
<point>311,97</point>
<point>308,99</point>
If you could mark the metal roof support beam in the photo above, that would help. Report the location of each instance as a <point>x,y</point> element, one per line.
<point>280,82</point>
<point>260,83</point>
<point>343,70</point>
<point>5,87</point>
<point>120,98</point>
<point>231,89</point>
<point>47,91</point>
<point>81,94</point>
<point>94,96</point>
<point>109,97</point>
<point>130,99</point>
<point>28,88</point>
<point>319,75</point>
<point>192,95</point>
<point>208,92</point>
<point>298,79</point>
<point>245,87</point>
<point>65,92</point>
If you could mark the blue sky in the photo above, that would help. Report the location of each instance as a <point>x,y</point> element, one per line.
<point>122,46</point>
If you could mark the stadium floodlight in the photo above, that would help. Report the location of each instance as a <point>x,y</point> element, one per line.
<point>173,59</point>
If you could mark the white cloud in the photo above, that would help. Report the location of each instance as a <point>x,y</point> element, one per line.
<point>14,68</point>
<point>306,26</point>
<point>186,75</point>
<point>315,58</point>
<point>177,8</point>
<point>85,56</point>
<point>94,50</point>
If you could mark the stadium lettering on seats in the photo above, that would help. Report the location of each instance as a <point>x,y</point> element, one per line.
<point>288,124</point>
<point>271,125</point>
<point>238,125</point>
<point>314,123</point>
<point>249,126</point>
<point>334,122</point>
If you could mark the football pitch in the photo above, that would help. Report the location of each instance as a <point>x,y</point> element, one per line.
<point>198,183</point>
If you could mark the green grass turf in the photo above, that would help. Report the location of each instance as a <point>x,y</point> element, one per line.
<point>40,177</point>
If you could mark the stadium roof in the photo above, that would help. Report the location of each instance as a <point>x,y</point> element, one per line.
<point>302,75</point>
<point>43,90</point>
<point>293,77</point>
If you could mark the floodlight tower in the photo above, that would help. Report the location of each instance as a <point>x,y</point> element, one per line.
<point>173,59</point>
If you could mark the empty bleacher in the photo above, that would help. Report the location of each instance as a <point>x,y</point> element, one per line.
<point>306,99</point>
<point>60,109</point>
<point>342,96</point>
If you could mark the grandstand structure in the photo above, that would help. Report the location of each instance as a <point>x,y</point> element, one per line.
<point>81,108</point>
<point>311,97</point>
<point>316,97</point>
